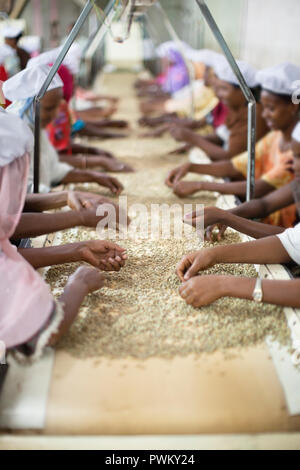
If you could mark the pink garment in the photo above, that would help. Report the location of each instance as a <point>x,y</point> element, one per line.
<point>26,301</point>
<point>68,81</point>
<point>219,115</point>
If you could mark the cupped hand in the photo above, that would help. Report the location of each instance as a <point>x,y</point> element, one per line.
<point>103,255</point>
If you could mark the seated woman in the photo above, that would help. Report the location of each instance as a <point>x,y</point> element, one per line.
<point>21,90</point>
<point>60,132</point>
<point>208,110</point>
<point>231,139</point>
<point>274,156</point>
<point>278,206</point>
<point>154,88</point>
<point>93,121</point>
<point>177,77</point>
<point>202,290</point>
<point>30,318</point>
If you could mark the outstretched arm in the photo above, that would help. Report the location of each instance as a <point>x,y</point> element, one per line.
<point>239,188</point>
<point>214,151</point>
<point>203,290</point>
<point>265,251</point>
<point>90,176</point>
<point>83,282</point>
<point>213,215</point>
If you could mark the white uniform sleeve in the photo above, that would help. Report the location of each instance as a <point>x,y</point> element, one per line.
<point>290,239</point>
<point>53,170</point>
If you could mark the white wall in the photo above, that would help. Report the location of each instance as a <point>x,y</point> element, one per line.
<point>272,33</point>
<point>262,32</point>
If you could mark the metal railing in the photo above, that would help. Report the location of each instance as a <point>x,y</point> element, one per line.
<point>246,91</point>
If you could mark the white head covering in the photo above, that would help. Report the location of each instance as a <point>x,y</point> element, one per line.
<point>11,32</point>
<point>279,79</point>
<point>10,146</point>
<point>31,44</point>
<point>225,73</point>
<point>72,59</point>
<point>296,133</point>
<point>28,83</point>
<point>163,49</point>
<point>5,52</point>
<point>206,56</point>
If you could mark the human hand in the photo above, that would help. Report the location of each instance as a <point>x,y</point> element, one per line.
<point>91,278</point>
<point>78,200</point>
<point>115,166</point>
<point>177,174</point>
<point>191,264</point>
<point>103,255</point>
<point>103,153</point>
<point>209,218</point>
<point>187,188</point>
<point>109,182</point>
<point>184,149</point>
<point>179,133</point>
<point>89,217</point>
<point>203,290</point>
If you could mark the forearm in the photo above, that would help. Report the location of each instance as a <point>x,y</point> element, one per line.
<point>51,256</point>
<point>35,225</point>
<point>71,300</point>
<point>213,150</point>
<point>45,202</point>
<point>238,188</point>
<point>76,148</point>
<point>261,208</point>
<point>253,229</point>
<point>219,169</point>
<point>79,176</point>
<point>285,293</point>
<point>82,162</point>
<point>265,251</point>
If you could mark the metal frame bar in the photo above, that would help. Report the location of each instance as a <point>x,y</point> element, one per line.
<point>70,40</point>
<point>95,35</point>
<point>246,91</point>
<point>174,36</point>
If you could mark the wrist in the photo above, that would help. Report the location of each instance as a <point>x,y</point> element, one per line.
<point>62,198</point>
<point>217,255</point>
<point>222,216</point>
<point>239,287</point>
<point>72,253</point>
<point>82,220</point>
<point>228,286</point>
<point>193,167</point>
<point>75,284</point>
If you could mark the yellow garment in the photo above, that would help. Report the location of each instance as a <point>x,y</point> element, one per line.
<point>204,102</point>
<point>273,166</point>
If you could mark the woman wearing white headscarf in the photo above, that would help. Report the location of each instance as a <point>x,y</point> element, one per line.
<point>21,90</point>
<point>30,319</point>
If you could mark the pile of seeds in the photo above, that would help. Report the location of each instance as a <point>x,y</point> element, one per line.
<point>139,312</point>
